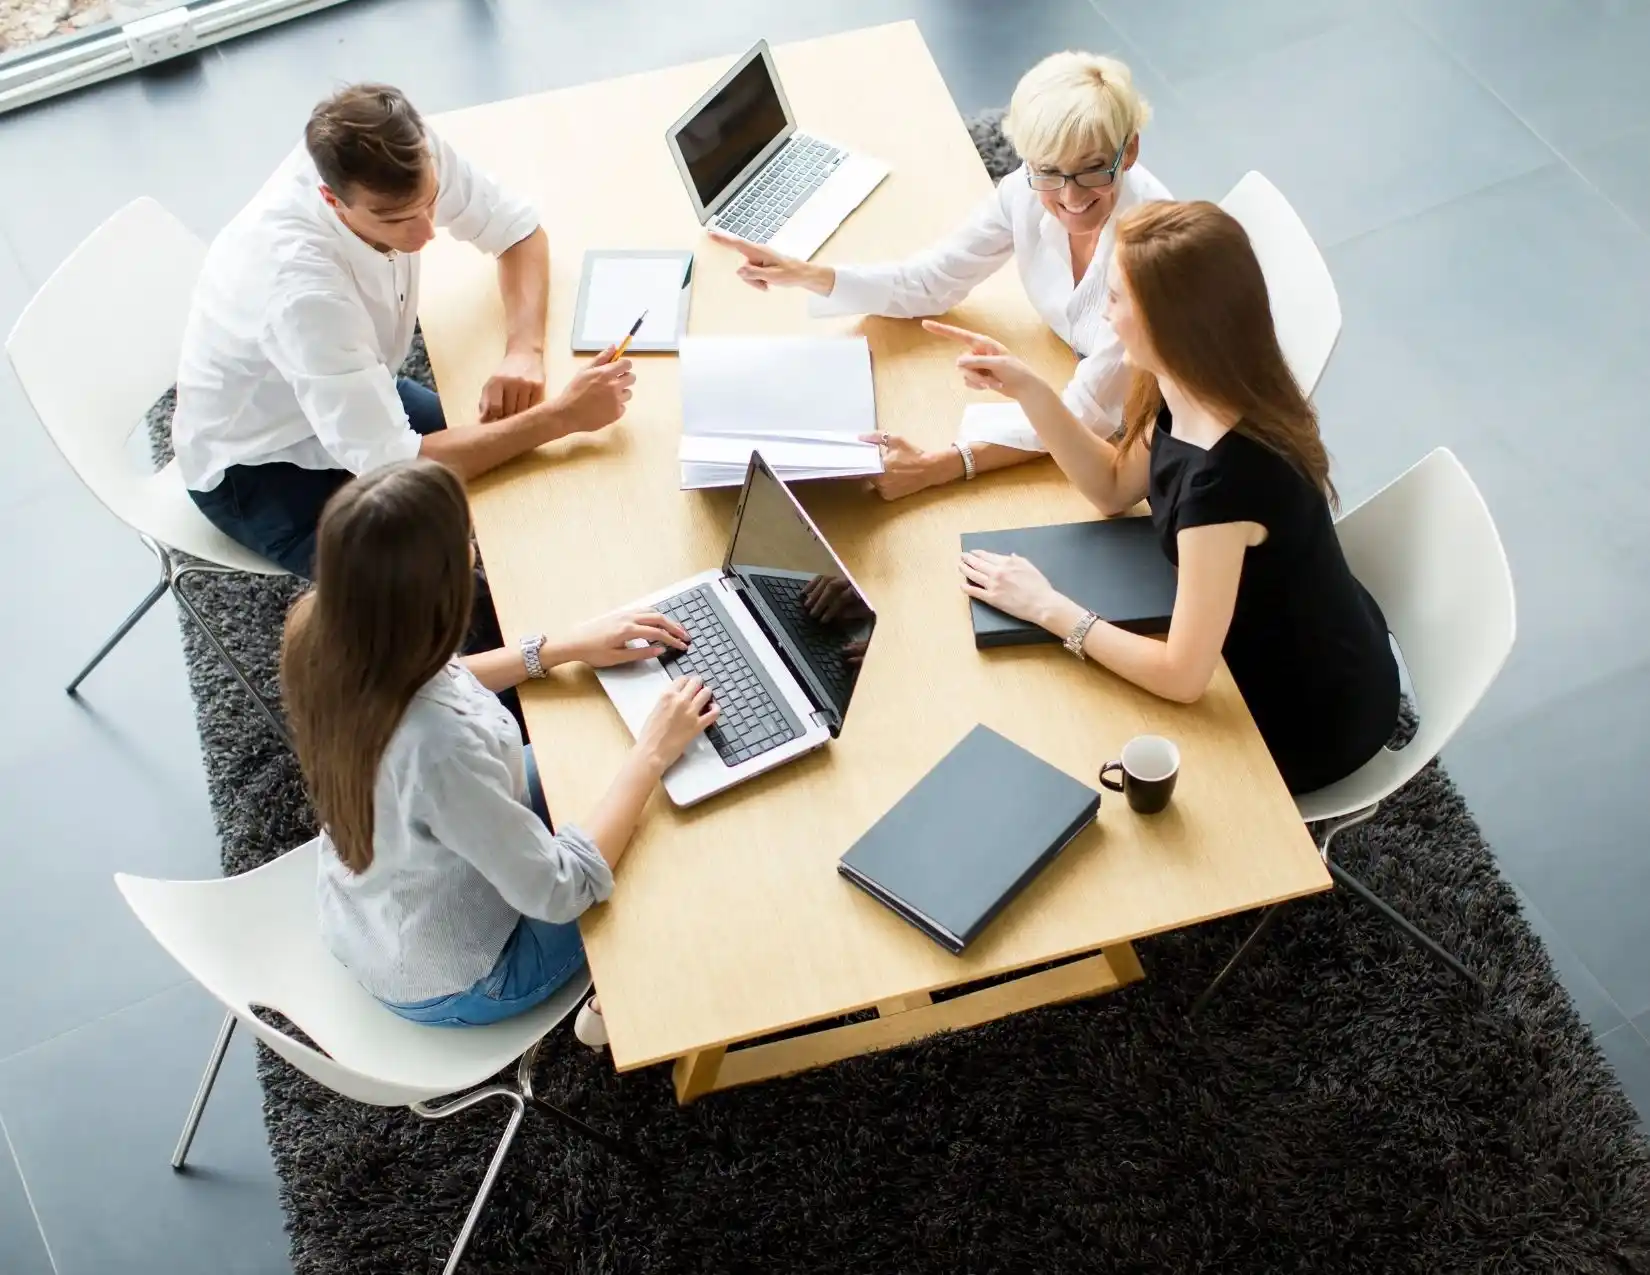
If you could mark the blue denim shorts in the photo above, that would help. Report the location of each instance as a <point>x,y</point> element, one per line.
<point>538,959</point>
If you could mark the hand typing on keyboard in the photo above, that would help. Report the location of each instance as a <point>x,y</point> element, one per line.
<point>751,722</point>
<point>682,714</point>
<point>604,642</point>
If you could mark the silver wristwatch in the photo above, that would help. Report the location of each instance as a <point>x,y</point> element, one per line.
<point>530,647</point>
<point>967,454</point>
<point>1080,633</point>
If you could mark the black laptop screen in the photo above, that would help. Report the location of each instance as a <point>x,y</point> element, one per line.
<point>792,580</point>
<point>731,130</point>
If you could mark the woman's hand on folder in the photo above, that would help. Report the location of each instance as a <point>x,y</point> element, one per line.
<point>1010,583</point>
<point>764,268</point>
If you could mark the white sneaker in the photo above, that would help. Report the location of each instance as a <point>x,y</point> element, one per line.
<point>589,1027</point>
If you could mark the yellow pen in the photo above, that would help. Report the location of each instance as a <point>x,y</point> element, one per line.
<point>628,336</point>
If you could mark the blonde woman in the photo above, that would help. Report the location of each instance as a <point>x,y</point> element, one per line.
<point>1075,120</point>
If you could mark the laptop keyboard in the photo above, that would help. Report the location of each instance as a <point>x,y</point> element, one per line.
<point>750,722</point>
<point>822,645</point>
<point>799,169</point>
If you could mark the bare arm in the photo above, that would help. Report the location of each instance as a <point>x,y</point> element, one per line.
<point>1211,564</point>
<point>1114,481</point>
<point>681,714</point>
<point>471,450</point>
<point>524,284</point>
<point>595,397</point>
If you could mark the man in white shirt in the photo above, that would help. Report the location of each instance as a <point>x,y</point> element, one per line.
<point>306,308</point>
<point>1075,119</point>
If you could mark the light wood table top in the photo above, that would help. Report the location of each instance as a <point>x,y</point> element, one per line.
<point>729,919</point>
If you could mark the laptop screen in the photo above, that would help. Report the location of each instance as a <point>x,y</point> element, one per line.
<point>731,129</point>
<point>801,593</point>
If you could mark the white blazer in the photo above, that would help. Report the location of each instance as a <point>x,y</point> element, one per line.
<point>1013,222</point>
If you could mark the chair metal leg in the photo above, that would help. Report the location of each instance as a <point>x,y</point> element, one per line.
<point>1422,940</point>
<point>1326,835</point>
<point>1334,827</point>
<point>518,1109</point>
<point>615,1146</point>
<point>1207,994</point>
<point>175,574</point>
<point>204,1091</point>
<point>141,610</point>
<point>520,1097</point>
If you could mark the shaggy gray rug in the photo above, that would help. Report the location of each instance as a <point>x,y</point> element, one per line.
<point>1340,1108</point>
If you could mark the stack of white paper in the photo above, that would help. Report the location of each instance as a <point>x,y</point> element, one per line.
<point>801,401</point>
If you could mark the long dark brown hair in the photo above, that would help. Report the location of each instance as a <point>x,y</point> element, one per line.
<point>389,607</point>
<point>1202,299</point>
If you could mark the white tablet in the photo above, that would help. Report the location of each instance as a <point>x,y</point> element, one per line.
<point>617,287</point>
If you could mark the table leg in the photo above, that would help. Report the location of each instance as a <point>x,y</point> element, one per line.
<point>695,1073</point>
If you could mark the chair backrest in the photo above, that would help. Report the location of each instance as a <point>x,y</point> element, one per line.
<point>1305,307</point>
<point>254,940</point>
<point>100,342</point>
<point>1426,548</point>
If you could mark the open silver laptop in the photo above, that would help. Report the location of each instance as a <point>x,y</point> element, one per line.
<point>778,632</point>
<point>751,173</point>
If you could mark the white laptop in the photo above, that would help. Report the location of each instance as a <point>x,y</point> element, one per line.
<point>778,632</point>
<point>751,173</point>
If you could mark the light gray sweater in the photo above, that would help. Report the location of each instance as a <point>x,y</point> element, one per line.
<point>458,857</point>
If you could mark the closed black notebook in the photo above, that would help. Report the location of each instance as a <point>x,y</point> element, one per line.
<point>969,837</point>
<point>1113,567</point>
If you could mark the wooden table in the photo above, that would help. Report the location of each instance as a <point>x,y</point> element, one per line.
<point>729,921</point>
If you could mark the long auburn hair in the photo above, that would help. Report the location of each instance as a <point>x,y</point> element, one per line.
<point>1202,298</point>
<point>389,607</point>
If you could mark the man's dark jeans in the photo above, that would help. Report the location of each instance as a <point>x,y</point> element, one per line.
<point>273,510</point>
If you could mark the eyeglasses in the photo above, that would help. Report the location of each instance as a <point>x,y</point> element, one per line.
<point>1090,179</point>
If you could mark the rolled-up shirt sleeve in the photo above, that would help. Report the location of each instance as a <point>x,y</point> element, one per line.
<point>932,281</point>
<point>322,343</point>
<point>1099,384</point>
<point>474,208</point>
<point>466,801</point>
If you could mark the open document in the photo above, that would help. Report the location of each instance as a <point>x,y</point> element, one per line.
<point>801,401</point>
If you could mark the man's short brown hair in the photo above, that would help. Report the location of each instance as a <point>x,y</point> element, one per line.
<point>368,137</point>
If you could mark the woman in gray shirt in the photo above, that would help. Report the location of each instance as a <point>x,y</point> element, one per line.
<point>441,887</point>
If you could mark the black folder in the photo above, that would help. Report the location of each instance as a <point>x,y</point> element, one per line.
<point>1114,567</point>
<point>969,837</point>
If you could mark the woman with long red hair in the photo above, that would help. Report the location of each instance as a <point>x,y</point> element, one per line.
<point>1222,442</point>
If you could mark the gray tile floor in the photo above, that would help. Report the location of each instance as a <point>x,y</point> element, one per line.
<point>1475,172</point>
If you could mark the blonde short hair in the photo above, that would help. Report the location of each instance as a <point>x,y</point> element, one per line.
<point>1074,108</point>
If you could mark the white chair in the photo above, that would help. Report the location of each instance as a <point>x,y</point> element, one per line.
<point>1427,550</point>
<point>94,349</point>
<point>1305,308</point>
<point>254,940</point>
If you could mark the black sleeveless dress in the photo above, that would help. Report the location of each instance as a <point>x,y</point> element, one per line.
<point>1308,646</point>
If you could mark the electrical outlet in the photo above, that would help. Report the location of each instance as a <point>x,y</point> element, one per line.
<point>160,36</point>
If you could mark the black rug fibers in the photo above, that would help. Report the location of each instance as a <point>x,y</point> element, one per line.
<point>1340,1109</point>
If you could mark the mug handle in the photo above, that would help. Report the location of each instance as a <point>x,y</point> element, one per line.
<point>1114,785</point>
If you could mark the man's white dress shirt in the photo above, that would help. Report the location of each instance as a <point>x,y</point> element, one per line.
<point>298,326</point>
<point>1013,222</point>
